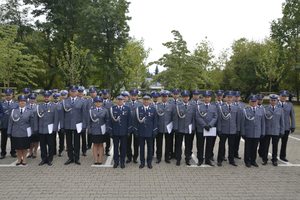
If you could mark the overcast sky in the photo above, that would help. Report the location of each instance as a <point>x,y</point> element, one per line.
<point>221,21</point>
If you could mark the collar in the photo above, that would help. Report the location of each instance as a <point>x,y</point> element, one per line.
<point>8,101</point>
<point>146,107</point>
<point>74,98</point>
<point>99,108</point>
<point>228,104</point>
<point>186,103</point>
<point>207,104</point>
<point>32,104</point>
<point>120,106</point>
<point>253,107</point>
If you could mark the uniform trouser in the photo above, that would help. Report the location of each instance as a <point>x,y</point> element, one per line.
<point>172,147</point>
<point>250,150</point>
<point>61,141</point>
<point>47,140</point>
<point>119,141</point>
<point>107,143</point>
<point>284,140</point>
<point>83,140</point>
<point>149,149</point>
<point>188,145</point>
<point>237,140</point>
<point>135,147</point>
<point>168,143</point>
<point>159,144</point>
<point>89,140</point>
<point>200,147</point>
<point>4,142</point>
<point>266,141</point>
<point>221,152</point>
<point>261,148</point>
<point>213,145</point>
<point>73,138</point>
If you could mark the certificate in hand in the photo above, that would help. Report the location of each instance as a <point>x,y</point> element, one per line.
<point>212,132</point>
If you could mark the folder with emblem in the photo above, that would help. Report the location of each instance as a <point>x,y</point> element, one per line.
<point>29,131</point>
<point>103,129</point>
<point>170,127</point>
<point>50,128</point>
<point>79,127</point>
<point>212,132</point>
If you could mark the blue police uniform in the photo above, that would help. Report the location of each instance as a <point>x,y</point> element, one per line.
<point>90,104</point>
<point>61,138</point>
<point>83,134</point>
<point>261,143</point>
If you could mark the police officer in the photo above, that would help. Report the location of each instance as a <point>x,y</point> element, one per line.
<point>252,128</point>
<point>74,120</point>
<point>145,129</point>
<point>206,118</point>
<point>260,100</point>
<point>155,96</point>
<point>241,105</point>
<point>90,103</point>
<point>126,96</point>
<point>184,126</point>
<point>174,101</point>
<point>107,104</point>
<point>274,119</point>
<point>26,92</point>
<point>228,126</point>
<point>8,104</point>
<point>196,97</point>
<point>64,94</point>
<point>83,135</point>
<point>289,121</point>
<point>31,105</point>
<point>58,104</point>
<point>46,122</point>
<point>119,126</point>
<point>133,104</point>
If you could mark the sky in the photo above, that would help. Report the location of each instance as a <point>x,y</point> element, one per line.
<point>221,21</point>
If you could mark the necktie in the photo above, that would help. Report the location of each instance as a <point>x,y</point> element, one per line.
<point>120,108</point>
<point>196,102</point>
<point>185,106</point>
<point>46,105</point>
<point>72,101</point>
<point>164,105</point>
<point>282,104</point>
<point>206,106</point>
<point>273,108</point>
<point>21,111</point>
<point>175,102</point>
<point>98,109</point>
<point>31,106</point>
<point>254,110</point>
<point>104,103</point>
<point>229,108</point>
<point>146,110</point>
<point>8,103</point>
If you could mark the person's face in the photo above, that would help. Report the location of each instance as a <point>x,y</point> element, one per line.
<point>133,97</point>
<point>228,99</point>
<point>80,94</point>
<point>93,94</point>
<point>26,93</point>
<point>253,103</point>
<point>126,98</point>
<point>282,98</point>
<point>64,96</point>
<point>260,101</point>
<point>219,98</point>
<point>8,97</point>
<point>164,99</point>
<point>155,99</point>
<point>273,102</point>
<point>206,99</point>
<point>22,103</point>
<point>185,98</point>
<point>146,102</point>
<point>237,98</point>
<point>98,104</point>
<point>175,95</point>
<point>196,97</point>
<point>31,100</point>
<point>47,98</point>
<point>55,100</point>
<point>120,102</point>
<point>105,95</point>
<point>74,93</point>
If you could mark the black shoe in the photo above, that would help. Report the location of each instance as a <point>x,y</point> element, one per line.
<point>50,163</point>
<point>212,159</point>
<point>149,166</point>
<point>77,162</point>
<point>116,165</point>
<point>69,161</point>
<point>14,155</point>
<point>33,156</point>
<point>43,162</point>
<point>122,165</point>
<point>219,164</point>
<point>135,160</point>
<point>178,162</point>
<point>254,164</point>
<point>275,163</point>
<point>167,161</point>
<point>264,162</point>
<point>158,161</point>
<point>248,165</point>
<point>60,154</point>
<point>24,163</point>
<point>84,153</point>
<point>107,153</point>
<point>199,163</point>
<point>17,164</point>
<point>142,166</point>
<point>233,163</point>
<point>238,157</point>
<point>2,156</point>
<point>209,163</point>
<point>54,153</point>
<point>224,159</point>
<point>188,163</point>
<point>284,159</point>
<point>29,156</point>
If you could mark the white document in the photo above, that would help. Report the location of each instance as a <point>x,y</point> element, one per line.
<point>58,125</point>
<point>103,129</point>
<point>79,127</point>
<point>29,131</point>
<point>212,132</point>
<point>190,128</point>
<point>170,127</point>
<point>50,128</point>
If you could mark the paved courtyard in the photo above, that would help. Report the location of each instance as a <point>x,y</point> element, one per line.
<point>164,181</point>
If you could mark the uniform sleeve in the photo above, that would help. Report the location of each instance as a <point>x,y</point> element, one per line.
<point>62,117</point>
<point>292,115</point>
<point>194,120</point>
<point>35,122</point>
<point>175,118</point>
<point>135,123</point>
<point>129,121</point>
<point>263,125</point>
<point>10,123</point>
<point>56,119</point>
<point>154,122</point>
<point>219,121</point>
<point>199,119</point>
<point>214,120</point>
<point>242,123</point>
<point>1,110</point>
<point>238,120</point>
<point>32,122</point>
<point>84,116</point>
<point>106,119</point>
<point>282,128</point>
<point>109,123</point>
<point>89,121</point>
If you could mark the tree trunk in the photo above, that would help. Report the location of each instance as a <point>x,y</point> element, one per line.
<point>108,83</point>
<point>297,96</point>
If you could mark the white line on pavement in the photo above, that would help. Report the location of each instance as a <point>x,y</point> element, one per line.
<point>294,138</point>
<point>109,158</point>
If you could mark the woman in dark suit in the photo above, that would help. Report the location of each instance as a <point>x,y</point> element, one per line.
<point>20,129</point>
<point>98,118</point>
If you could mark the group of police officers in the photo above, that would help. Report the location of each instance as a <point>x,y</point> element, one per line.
<point>139,122</point>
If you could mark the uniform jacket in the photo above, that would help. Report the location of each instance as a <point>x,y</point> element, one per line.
<point>153,104</point>
<point>108,104</point>
<point>289,115</point>
<point>18,124</point>
<point>97,119</point>
<point>172,101</point>
<point>274,120</point>
<point>194,103</point>
<point>183,117</point>
<point>145,124</point>
<point>74,114</point>
<point>206,116</point>
<point>217,104</point>
<point>44,117</point>
<point>6,112</point>
<point>1,110</point>
<point>261,106</point>
<point>240,104</point>
<point>253,125</point>
<point>133,108</point>
<point>119,122</point>
<point>60,111</point>
<point>164,116</point>
<point>228,124</point>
